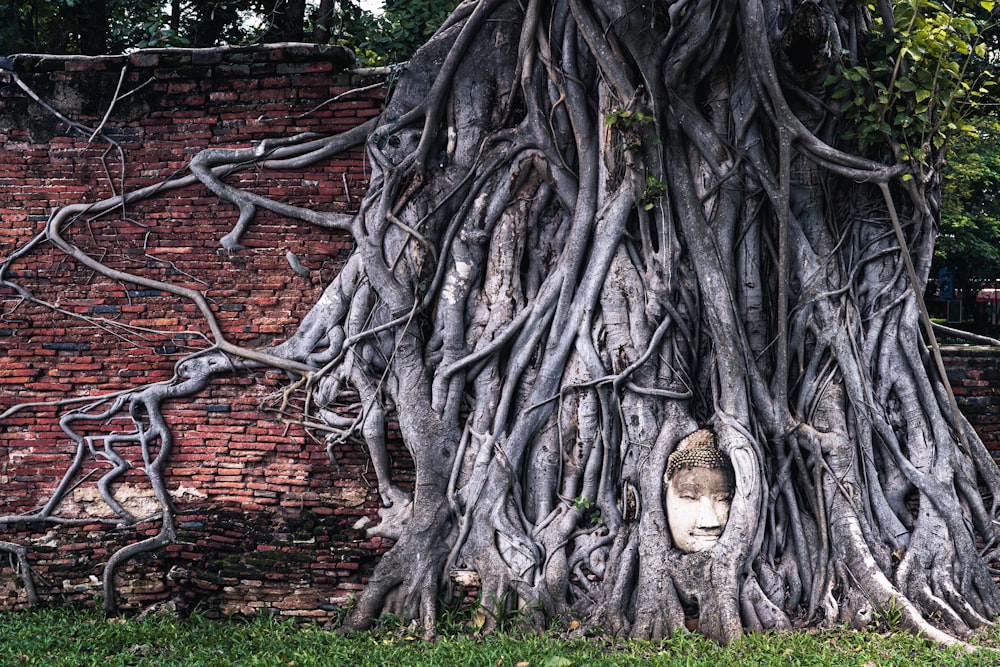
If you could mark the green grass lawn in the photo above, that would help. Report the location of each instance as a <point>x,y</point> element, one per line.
<point>66,637</point>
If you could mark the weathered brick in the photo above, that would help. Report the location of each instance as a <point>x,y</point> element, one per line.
<point>239,477</point>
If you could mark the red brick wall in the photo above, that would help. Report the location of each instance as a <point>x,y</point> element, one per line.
<point>974,373</point>
<point>266,520</point>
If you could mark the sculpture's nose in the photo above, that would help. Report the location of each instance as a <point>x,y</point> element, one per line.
<point>708,518</point>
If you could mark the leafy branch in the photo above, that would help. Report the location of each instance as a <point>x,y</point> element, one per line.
<point>923,72</point>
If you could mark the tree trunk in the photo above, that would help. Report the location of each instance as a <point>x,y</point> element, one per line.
<point>596,228</point>
<point>91,21</point>
<point>322,18</point>
<point>287,21</point>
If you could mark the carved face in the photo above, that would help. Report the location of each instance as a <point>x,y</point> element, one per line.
<point>698,501</point>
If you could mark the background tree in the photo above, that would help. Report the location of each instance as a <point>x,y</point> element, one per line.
<point>594,228</point>
<point>93,27</point>
<point>404,26</point>
<point>969,242</point>
<point>286,21</point>
<point>97,27</point>
<point>81,26</point>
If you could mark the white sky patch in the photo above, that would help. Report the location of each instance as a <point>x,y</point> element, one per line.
<point>373,6</point>
<point>256,22</point>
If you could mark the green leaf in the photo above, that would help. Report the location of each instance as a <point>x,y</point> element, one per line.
<point>987,5</point>
<point>557,661</point>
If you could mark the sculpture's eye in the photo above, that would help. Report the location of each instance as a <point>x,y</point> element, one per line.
<point>689,491</point>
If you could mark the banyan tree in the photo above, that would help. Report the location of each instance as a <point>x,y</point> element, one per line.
<point>615,246</point>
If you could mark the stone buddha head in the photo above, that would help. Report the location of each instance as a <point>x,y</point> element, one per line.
<point>699,483</point>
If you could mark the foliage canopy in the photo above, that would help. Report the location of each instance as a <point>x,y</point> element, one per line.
<point>969,242</point>
<point>95,27</point>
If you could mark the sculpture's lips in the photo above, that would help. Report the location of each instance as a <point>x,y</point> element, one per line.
<point>706,533</point>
